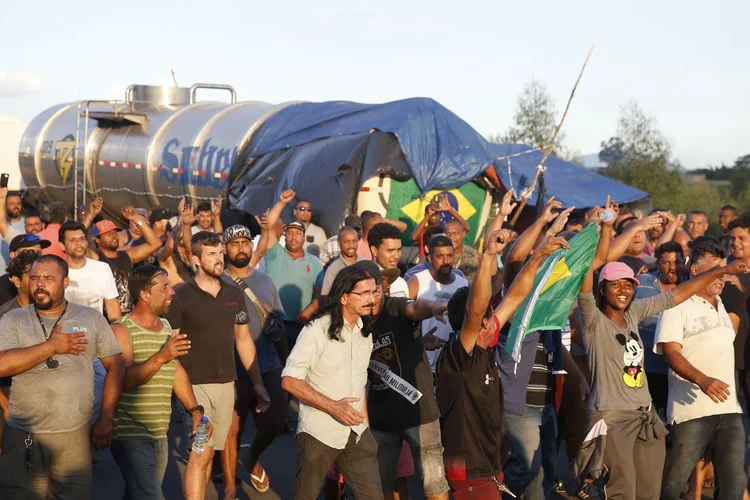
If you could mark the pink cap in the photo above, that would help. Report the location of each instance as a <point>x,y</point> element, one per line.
<point>617,271</point>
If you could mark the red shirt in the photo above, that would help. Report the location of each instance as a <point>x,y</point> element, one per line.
<point>50,234</point>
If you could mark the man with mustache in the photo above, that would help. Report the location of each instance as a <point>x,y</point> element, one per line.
<point>401,398</point>
<point>259,292</point>
<point>150,350</point>
<point>298,276</point>
<point>327,372</point>
<point>18,272</point>
<point>49,349</point>
<point>121,261</point>
<point>437,283</point>
<point>214,317</point>
<point>669,260</point>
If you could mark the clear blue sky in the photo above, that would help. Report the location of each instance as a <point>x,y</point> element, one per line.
<point>685,62</point>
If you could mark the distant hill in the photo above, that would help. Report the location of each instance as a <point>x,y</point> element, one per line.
<point>592,161</point>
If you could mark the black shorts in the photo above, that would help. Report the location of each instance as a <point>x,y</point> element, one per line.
<point>272,420</point>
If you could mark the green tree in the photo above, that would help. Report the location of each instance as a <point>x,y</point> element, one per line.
<point>535,121</point>
<point>640,156</point>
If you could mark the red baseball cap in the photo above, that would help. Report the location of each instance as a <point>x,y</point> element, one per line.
<point>617,271</point>
<point>103,226</point>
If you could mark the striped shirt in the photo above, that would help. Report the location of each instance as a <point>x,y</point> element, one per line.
<point>144,412</point>
<point>539,392</point>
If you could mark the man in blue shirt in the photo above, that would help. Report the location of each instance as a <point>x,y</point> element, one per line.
<point>669,258</point>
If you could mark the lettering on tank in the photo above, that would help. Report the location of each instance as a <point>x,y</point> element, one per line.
<point>213,163</point>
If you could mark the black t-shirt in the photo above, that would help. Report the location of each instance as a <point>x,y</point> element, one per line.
<point>7,289</point>
<point>737,302</point>
<point>208,323</point>
<point>470,398</point>
<point>121,266</point>
<point>397,344</point>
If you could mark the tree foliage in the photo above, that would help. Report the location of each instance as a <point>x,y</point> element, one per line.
<point>640,156</point>
<point>535,121</point>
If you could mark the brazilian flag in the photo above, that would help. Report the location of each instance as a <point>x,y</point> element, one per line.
<point>556,286</point>
<point>407,203</point>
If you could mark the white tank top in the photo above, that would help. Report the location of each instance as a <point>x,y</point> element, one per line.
<point>429,289</point>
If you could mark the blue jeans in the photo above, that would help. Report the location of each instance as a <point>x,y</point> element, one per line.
<point>533,436</point>
<point>689,440</point>
<point>142,463</point>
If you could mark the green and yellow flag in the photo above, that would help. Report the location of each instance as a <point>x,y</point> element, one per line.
<point>406,203</point>
<point>556,286</point>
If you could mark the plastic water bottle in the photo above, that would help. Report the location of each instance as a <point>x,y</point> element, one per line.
<point>201,435</point>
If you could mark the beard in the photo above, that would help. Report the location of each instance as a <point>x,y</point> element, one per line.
<point>215,271</point>
<point>241,260</point>
<point>445,270</point>
<point>42,301</point>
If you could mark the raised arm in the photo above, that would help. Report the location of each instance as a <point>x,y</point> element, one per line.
<point>695,284</point>
<point>400,225</point>
<point>675,223</point>
<point>187,217</point>
<point>275,214</point>
<point>265,231</point>
<point>95,208</point>
<point>525,280</point>
<point>445,206</point>
<point>622,242</point>
<point>153,243</point>
<point>416,234</point>
<point>506,208</point>
<point>524,245</point>
<point>216,212</point>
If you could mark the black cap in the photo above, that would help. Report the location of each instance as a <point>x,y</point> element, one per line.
<point>370,268</point>
<point>26,241</point>
<point>158,214</point>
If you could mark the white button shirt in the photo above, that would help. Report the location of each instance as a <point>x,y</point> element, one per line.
<point>707,338</point>
<point>336,369</point>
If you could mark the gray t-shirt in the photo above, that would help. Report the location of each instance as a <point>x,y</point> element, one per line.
<point>615,355</point>
<point>333,270</point>
<point>262,286</point>
<point>47,400</point>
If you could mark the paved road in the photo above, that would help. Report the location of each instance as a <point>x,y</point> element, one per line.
<point>278,460</point>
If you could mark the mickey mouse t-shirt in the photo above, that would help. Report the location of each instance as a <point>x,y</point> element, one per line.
<point>615,354</point>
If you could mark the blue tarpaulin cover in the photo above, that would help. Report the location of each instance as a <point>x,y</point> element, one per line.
<point>570,184</point>
<point>441,150</point>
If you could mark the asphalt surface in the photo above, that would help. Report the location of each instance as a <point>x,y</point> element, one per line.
<point>278,460</point>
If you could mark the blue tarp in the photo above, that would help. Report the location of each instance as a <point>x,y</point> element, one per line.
<point>442,150</point>
<point>571,184</point>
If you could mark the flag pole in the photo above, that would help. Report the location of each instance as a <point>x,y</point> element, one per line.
<point>541,168</point>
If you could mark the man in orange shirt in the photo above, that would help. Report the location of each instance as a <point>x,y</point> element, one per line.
<point>58,213</point>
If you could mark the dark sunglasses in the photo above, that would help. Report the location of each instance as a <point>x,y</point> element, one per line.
<point>304,209</point>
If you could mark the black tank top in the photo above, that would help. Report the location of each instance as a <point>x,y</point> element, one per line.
<point>121,266</point>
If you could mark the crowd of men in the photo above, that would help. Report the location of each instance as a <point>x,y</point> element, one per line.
<point>386,369</point>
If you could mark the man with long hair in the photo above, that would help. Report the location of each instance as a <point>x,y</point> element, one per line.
<point>327,372</point>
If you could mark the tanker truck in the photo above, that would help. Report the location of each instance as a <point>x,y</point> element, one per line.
<point>160,144</point>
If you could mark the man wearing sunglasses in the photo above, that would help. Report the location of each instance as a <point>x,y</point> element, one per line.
<point>49,350</point>
<point>315,236</point>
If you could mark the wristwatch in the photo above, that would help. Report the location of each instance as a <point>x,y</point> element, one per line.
<point>139,223</point>
<point>197,408</point>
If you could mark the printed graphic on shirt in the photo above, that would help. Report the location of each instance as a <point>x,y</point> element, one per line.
<point>384,352</point>
<point>632,357</point>
<point>123,293</point>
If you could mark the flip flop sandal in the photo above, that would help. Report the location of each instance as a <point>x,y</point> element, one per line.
<point>257,482</point>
